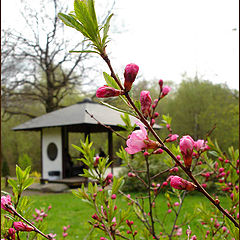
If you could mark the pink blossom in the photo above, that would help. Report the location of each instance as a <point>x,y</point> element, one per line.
<point>65,234</point>
<point>6,203</point>
<point>172,137</point>
<point>139,141</point>
<point>65,228</point>
<point>164,184</point>
<point>158,151</point>
<point>182,184</point>
<point>199,144</point>
<point>20,226</point>
<point>194,237</point>
<point>156,114</point>
<point>146,102</point>
<point>130,73</point>
<point>224,229</point>
<point>106,91</point>
<point>169,210</point>
<point>176,204</point>
<point>165,91</point>
<point>179,232</point>
<point>114,196</point>
<point>186,146</point>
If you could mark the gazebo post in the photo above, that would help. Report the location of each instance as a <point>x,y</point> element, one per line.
<point>110,148</point>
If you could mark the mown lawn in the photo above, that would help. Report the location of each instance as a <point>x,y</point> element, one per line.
<point>70,210</point>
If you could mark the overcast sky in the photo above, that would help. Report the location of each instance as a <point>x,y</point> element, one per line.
<point>169,37</point>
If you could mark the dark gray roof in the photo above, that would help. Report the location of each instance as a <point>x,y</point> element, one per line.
<point>76,119</point>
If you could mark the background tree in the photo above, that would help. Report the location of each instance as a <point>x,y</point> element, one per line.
<point>47,71</point>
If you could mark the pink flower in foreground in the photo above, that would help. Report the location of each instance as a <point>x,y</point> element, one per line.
<point>172,138</point>
<point>165,91</point>
<point>130,73</point>
<point>20,226</point>
<point>106,91</point>
<point>186,146</point>
<point>139,141</point>
<point>180,183</point>
<point>146,102</point>
<point>11,232</point>
<point>6,203</point>
<point>201,145</point>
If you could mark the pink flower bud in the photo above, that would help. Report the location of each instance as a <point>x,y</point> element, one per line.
<point>227,161</point>
<point>95,216</point>
<point>146,153</point>
<point>182,184</point>
<point>176,204</point>
<point>160,82</point>
<point>152,122</point>
<point>155,101</point>
<point>65,234</point>
<point>129,232</point>
<point>156,114</point>
<point>65,229</point>
<point>186,146</point>
<point>172,137</point>
<point>6,203</point>
<point>169,210</point>
<point>130,73</point>
<point>194,237</point>
<point>158,151</point>
<point>220,159</point>
<point>49,207</point>
<point>164,184</point>
<point>204,185</point>
<point>224,229</point>
<point>106,91</point>
<point>20,226</point>
<point>165,91</point>
<point>178,157</point>
<point>114,196</point>
<point>146,102</point>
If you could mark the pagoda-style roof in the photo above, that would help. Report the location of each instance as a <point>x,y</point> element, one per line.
<point>76,119</point>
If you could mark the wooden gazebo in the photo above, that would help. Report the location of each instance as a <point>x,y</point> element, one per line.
<point>56,126</point>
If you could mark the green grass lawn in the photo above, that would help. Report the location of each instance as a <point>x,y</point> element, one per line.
<point>69,210</point>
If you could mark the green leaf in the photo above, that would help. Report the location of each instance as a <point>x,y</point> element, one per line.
<point>116,109</point>
<point>19,173</point>
<point>72,22</point>
<point>84,51</point>
<point>110,81</point>
<point>138,105</point>
<point>13,183</point>
<point>27,183</point>
<point>106,29</point>
<point>214,153</point>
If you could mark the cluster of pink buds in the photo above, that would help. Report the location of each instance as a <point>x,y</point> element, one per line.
<point>21,226</point>
<point>108,179</point>
<point>180,183</point>
<point>130,73</point>
<point>10,234</point>
<point>130,223</point>
<point>65,228</point>
<point>6,204</point>
<point>40,214</point>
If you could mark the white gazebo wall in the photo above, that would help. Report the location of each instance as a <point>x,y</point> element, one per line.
<point>51,135</point>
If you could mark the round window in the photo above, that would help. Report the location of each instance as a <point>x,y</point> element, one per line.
<point>52,151</point>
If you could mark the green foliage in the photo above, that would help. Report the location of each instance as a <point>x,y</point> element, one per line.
<point>24,161</point>
<point>84,20</point>
<point>22,182</point>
